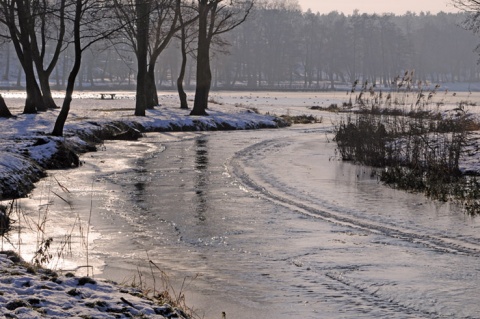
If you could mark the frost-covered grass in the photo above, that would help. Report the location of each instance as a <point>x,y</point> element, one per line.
<point>28,293</point>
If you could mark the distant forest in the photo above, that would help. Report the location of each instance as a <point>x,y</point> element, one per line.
<point>280,47</point>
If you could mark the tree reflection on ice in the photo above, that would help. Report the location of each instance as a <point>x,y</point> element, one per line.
<point>201,176</point>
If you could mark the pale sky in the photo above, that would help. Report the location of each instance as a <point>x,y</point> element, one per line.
<point>377,6</point>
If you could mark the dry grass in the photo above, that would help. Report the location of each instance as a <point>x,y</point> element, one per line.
<point>417,146</point>
<point>161,289</point>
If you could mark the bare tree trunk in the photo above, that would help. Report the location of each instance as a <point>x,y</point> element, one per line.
<point>4,111</point>
<point>204,74</point>
<point>151,92</point>
<point>84,15</point>
<point>39,47</point>
<point>207,30</point>
<point>19,76</point>
<point>142,8</point>
<point>34,101</point>
<point>46,91</point>
<point>62,117</point>
<point>22,45</point>
<point>6,75</point>
<point>181,92</point>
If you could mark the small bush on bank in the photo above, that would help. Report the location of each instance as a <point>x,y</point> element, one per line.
<point>5,222</point>
<point>301,119</point>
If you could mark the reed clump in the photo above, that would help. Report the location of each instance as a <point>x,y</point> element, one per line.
<point>417,146</point>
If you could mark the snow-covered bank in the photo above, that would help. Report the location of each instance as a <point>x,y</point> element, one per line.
<point>31,293</point>
<point>26,149</point>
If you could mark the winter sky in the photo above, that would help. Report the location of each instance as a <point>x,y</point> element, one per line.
<point>376,6</point>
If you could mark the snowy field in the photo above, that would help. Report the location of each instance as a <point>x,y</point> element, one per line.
<point>28,293</point>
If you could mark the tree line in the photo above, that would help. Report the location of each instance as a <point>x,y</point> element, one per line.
<point>281,47</point>
<point>200,44</point>
<point>41,30</point>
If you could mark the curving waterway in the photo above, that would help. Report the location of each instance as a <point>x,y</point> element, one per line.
<point>266,224</point>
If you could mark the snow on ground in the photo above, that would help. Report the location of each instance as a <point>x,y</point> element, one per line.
<point>29,293</point>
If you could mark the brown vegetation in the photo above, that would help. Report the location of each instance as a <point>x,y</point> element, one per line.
<point>418,150</point>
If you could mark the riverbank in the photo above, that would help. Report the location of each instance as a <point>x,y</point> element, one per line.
<point>27,150</point>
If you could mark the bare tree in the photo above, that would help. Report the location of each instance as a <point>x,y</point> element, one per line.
<point>150,26</point>
<point>216,17</point>
<point>472,9</point>
<point>469,6</point>
<point>186,38</point>
<point>141,36</point>
<point>165,24</point>
<point>18,17</point>
<point>32,27</point>
<point>92,21</point>
<point>50,28</point>
<point>181,76</point>
<point>145,34</point>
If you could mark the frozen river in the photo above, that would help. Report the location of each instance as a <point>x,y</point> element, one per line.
<point>263,224</point>
<point>274,226</point>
